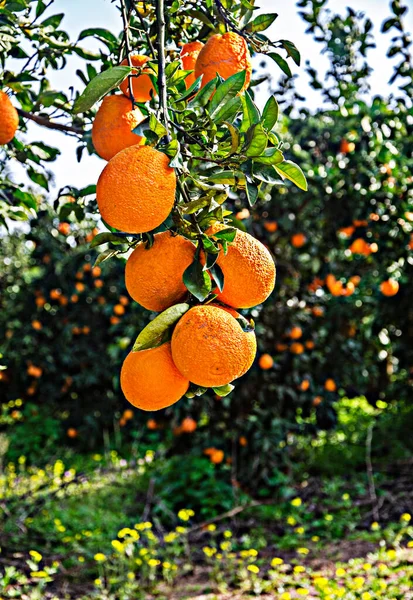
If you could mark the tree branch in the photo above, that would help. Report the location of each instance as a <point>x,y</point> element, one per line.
<point>127,48</point>
<point>163,100</point>
<point>223,14</point>
<point>46,122</point>
<point>148,39</point>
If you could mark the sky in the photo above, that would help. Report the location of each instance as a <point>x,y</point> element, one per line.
<point>81,14</point>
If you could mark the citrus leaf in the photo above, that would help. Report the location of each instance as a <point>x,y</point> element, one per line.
<point>281,62</point>
<point>292,51</point>
<point>103,238</point>
<point>156,331</point>
<point>99,87</point>
<point>266,173</point>
<point>257,141</point>
<point>228,110</point>
<point>224,390</point>
<point>197,281</point>
<point>270,113</point>
<point>228,234</point>
<point>191,91</point>
<point>218,276</point>
<point>252,193</point>
<point>262,22</point>
<point>105,256</point>
<point>227,90</point>
<point>291,171</point>
<point>270,156</point>
<point>251,114</point>
<point>203,96</point>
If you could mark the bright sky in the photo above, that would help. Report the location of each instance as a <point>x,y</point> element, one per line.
<point>81,14</point>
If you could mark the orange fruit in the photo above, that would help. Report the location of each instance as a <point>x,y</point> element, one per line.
<point>64,228</point>
<point>189,54</point>
<point>216,457</point>
<point>243,214</point>
<point>248,268</point>
<point>360,246</point>
<point>98,283</point>
<point>150,380</point>
<point>298,240</point>
<point>114,320</point>
<point>112,129</point>
<point>34,371</point>
<point>96,271</point>
<point>55,294</point>
<point>317,401</point>
<point>153,276</point>
<point>330,385</point>
<point>151,424</point>
<point>124,300</point>
<point>297,348</point>
<point>188,425</point>
<point>122,422</point>
<point>265,362</point>
<point>128,414</point>
<point>296,333</point>
<point>142,86</point>
<point>36,325</point>
<point>136,190</point>
<point>80,286</point>
<point>74,298</point>
<point>243,441</point>
<point>360,223</point>
<point>389,287</point>
<point>346,146</point>
<point>119,309</point>
<point>304,385</point>
<point>210,348</point>
<point>271,226</point>
<point>310,345</point>
<point>225,54</point>
<point>9,119</point>
<point>335,287</point>
<point>346,231</point>
<point>71,432</point>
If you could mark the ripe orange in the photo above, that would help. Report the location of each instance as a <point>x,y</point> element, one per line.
<point>330,385</point>
<point>210,348</point>
<point>244,213</point>
<point>150,380</point>
<point>55,294</point>
<point>142,86</point>
<point>248,268</point>
<point>34,371</point>
<point>360,246</point>
<point>151,424</point>
<point>71,432</point>
<point>189,54</point>
<point>112,129</point>
<point>96,271</point>
<point>265,362</point>
<point>346,146</point>
<point>37,325</point>
<point>224,54</point>
<point>9,119</point>
<point>188,425</point>
<point>389,287</point>
<point>271,226</point>
<point>119,309</point>
<point>317,401</point>
<point>298,240</point>
<point>114,320</point>
<point>297,348</point>
<point>64,228</point>
<point>216,456</point>
<point>334,286</point>
<point>296,333</point>
<point>153,276</point>
<point>128,414</point>
<point>80,286</point>
<point>310,344</point>
<point>347,231</point>
<point>136,189</point>
<point>304,385</point>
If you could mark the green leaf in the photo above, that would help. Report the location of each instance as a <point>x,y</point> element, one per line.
<point>197,281</point>
<point>38,178</point>
<point>257,141</point>
<point>291,171</point>
<point>251,114</point>
<point>292,51</point>
<point>191,91</point>
<point>103,238</point>
<point>281,62</point>
<point>225,91</point>
<point>105,256</point>
<point>158,331</point>
<point>203,96</point>
<point>228,111</point>
<point>252,193</point>
<point>270,113</point>
<point>270,156</point>
<point>266,173</point>
<point>53,21</point>
<point>262,22</point>
<point>156,126</point>
<point>228,234</point>
<point>235,137</point>
<point>224,390</point>
<point>99,87</point>
<point>101,34</point>
<point>218,276</point>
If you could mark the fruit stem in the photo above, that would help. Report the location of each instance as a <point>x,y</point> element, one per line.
<point>160,44</point>
<point>223,14</point>
<point>127,47</point>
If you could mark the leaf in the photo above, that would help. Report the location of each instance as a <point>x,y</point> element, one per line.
<point>191,91</point>
<point>218,276</point>
<point>291,171</point>
<point>224,390</point>
<point>262,22</point>
<point>53,21</point>
<point>266,173</point>
<point>235,137</point>
<point>228,111</point>
<point>99,87</point>
<point>101,34</point>
<point>105,256</point>
<point>228,234</point>
<point>270,113</point>
<point>156,331</point>
<point>203,96</point>
<point>227,90</point>
<point>270,156</point>
<point>251,114</point>
<point>252,193</point>
<point>103,238</point>
<point>281,62</point>
<point>157,127</point>
<point>197,281</point>
<point>257,141</point>
<point>38,178</point>
<point>292,51</point>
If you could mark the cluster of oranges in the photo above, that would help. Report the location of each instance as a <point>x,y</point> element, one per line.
<point>211,344</point>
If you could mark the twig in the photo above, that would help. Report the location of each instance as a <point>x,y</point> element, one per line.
<point>221,10</point>
<point>45,122</point>
<point>148,39</point>
<point>149,500</point>
<point>127,48</point>
<point>370,473</point>
<point>160,43</point>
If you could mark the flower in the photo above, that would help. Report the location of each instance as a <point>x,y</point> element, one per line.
<point>227,534</point>
<point>285,596</point>
<point>299,569</point>
<point>253,569</point>
<point>39,574</point>
<point>296,502</point>
<point>299,530</point>
<point>366,596</point>
<point>375,526</point>
<point>302,592</point>
<point>36,556</point>
<point>276,561</point>
<point>99,557</point>
<point>406,517</point>
<point>340,572</point>
<point>211,527</point>
<point>291,521</point>
<point>303,550</point>
<point>185,514</point>
<point>117,545</point>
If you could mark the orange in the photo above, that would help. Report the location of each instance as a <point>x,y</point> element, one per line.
<point>189,54</point>
<point>188,425</point>
<point>317,401</point>
<point>266,362</point>
<point>151,424</point>
<point>335,287</point>
<point>37,325</point>
<point>243,441</point>
<point>360,246</point>
<point>224,54</point>
<point>119,309</point>
<point>310,345</point>
<point>71,432</point>
<point>330,385</point>
<point>347,231</point>
<point>271,226</point>
<point>124,300</point>
<point>389,287</point>
<point>150,380</point>
<point>80,286</point>
<point>34,371</point>
<point>298,240</point>
<point>64,228</point>
<point>296,333</point>
<point>55,294</point>
<point>243,214</point>
<point>360,223</point>
<point>136,189</point>
<point>9,119</point>
<point>297,348</point>
<point>248,268</point>
<point>216,457</point>
<point>210,348</point>
<point>142,86</point>
<point>128,414</point>
<point>96,271</point>
<point>304,385</point>
<point>153,276</point>
<point>346,146</point>
<point>114,320</point>
<point>112,129</point>
<point>98,283</point>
